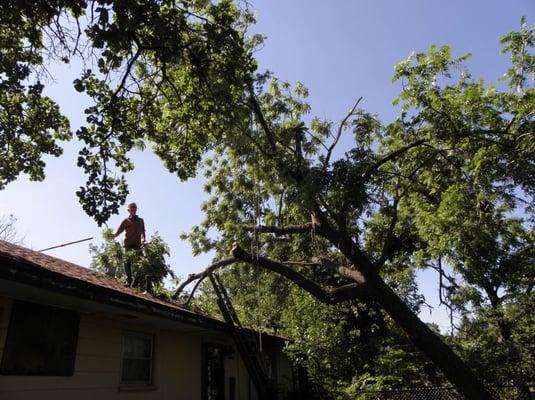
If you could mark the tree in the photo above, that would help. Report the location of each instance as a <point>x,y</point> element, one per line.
<point>472,205</point>
<point>149,267</point>
<point>363,206</point>
<point>168,72</point>
<point>180,75</point>
<point>346,349</point>
<point>8,229</point>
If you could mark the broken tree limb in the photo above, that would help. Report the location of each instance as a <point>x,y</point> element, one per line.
<point>421,335</point>
<point>359,289</point>
<point>203,274</point>
<point>257,110</point>
<point>345,271</point>
<point>328,296</point>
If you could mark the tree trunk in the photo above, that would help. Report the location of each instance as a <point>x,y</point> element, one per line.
<point>453,368</point>
<point>451,365</point>
<point>513,353</point>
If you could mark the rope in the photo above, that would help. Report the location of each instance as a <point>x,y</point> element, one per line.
<point>255,247</point>
<point>65,244</point>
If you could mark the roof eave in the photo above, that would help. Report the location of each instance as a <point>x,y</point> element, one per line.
<point>15,270</point>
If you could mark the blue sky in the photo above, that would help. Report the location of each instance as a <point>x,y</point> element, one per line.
<point>340,50</point>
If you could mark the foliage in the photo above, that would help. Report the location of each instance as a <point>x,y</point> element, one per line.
<point>149,267</point>
<point>457,197</point>
<point>448,185</point>
<point>502,359</point>
<point>165,72</point>
<point>30,123</point>
<point>469,196</point>
<point>352,348</point>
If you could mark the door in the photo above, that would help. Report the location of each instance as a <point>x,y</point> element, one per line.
<point>213,372</point>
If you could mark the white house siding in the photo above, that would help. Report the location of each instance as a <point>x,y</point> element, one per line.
<point>176,368</point>
<point>235,367</point>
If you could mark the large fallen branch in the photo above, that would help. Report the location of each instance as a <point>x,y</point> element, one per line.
<point>204,274</point>
<point>358,289</point>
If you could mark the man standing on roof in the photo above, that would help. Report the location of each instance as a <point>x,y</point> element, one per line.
<point>134,229</point>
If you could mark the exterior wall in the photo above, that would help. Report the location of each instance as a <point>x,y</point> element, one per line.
<point>176,367</point>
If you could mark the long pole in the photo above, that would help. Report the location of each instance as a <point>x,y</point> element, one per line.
<point>66,244</point>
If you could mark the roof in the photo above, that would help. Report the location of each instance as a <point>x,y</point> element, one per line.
<point>20,264</point>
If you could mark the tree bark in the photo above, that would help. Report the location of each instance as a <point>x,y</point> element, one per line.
<point>453,368</point>
<point>451,365</point>
<point>368,285</point>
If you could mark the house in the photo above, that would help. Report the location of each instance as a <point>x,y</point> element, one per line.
<point>68,332</point>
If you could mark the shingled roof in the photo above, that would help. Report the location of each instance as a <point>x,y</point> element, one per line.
<point>20,264</point>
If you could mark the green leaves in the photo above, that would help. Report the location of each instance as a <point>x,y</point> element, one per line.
<point>451,180</point>
<point>30,124</point>
<point>149,267</point>
<point>465,192</point>
<point>518,44</point>
<point>170,74</point>
<point>179,90</point>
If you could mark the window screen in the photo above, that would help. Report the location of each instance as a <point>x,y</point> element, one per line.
<point>41,340</point>
<point>137,358</point>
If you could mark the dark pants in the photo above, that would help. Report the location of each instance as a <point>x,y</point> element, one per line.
<point>128,263</point>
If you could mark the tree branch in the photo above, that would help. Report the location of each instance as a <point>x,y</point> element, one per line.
<point>260,116</point>
<point>201,275</point>
<point>339,134</point>
<point>359,289</point>
<point>345,271</point>
<point>279,230</point>
<point>121,85</point>
<point>395,154</point>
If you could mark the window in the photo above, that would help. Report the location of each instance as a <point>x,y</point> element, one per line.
<point>137,358</point>
<point>41,340</point>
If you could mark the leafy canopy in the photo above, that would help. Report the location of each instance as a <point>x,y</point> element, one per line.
<point>447,185</point>
<point>149,266</point>
<point>165,73</point>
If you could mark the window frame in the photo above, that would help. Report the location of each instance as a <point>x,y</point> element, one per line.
<point>57,317</point>
<point>138,335</point>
